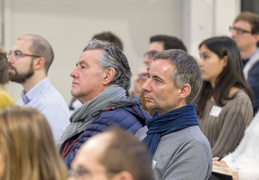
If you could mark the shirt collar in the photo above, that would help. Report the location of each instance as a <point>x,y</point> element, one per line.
<point>33,92</point>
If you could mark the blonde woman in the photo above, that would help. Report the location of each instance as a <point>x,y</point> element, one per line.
<point>27,149</point>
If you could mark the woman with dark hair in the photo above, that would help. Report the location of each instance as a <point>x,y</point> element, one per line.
<point>224,104</point>
<point>5,98</point>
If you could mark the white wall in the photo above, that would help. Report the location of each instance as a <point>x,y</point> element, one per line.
<point>68,25</point>
<point>206,18</point>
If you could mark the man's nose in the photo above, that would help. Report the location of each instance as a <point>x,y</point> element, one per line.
<point>146,86</point>
<point>74,73</point>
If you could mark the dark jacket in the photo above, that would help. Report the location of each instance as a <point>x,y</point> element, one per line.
<point>130,117</point>
<point>253,80</point>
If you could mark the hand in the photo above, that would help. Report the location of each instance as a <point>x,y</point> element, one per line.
<point>139,80</point>
<point>235,175</point>
<point>223,164</point>
<point>220,163</point>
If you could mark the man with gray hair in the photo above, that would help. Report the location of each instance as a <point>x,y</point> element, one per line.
<point>179,148</point>
<point>100,81</point>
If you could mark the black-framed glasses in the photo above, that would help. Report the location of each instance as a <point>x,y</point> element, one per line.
<point>150,54</point>
<point>239,31</point>
<point>18,54</point>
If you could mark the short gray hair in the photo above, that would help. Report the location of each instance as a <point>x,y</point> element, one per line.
<point>187,70</point>
<point>113,57</point>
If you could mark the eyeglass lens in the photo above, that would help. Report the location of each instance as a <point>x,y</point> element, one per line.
<point>238,30</point>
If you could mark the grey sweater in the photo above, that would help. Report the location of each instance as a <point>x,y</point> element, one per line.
<point>225,130</point>
<point>181,155</point>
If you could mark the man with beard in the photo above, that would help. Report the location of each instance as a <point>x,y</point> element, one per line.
<point>29,60</point>
<point>157,43</point>
<point>179,148</point>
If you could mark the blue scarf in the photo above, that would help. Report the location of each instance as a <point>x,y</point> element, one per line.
<point>175,120</point>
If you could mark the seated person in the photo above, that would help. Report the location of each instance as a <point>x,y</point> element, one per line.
<point>179,148</point>
<point>157,43</point>
<point>5,98</point>
<point>224,104</point>
<point>114,154</point>
<point>244,161</point>
<point>27,148</point>
<point>101,79</point>
<point>107,37</point>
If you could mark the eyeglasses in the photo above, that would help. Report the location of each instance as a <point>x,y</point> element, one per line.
<point>77,172</point>
<point>238,30</point>
<point>150,54</point>
<point>80,172</point>
<point>18,54</point>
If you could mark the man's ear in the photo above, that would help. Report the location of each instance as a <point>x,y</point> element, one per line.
<point>185,91</point>
<point>256,38</point>
<point>39,63</point>
<point>108,75</point>
<point>123,175</point>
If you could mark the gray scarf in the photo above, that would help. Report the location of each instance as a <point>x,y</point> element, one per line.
<point>83,116</point>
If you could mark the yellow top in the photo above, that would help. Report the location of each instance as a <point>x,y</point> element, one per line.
<point>5,99</point>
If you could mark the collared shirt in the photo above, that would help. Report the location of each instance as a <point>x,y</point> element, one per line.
<point>45,98</point>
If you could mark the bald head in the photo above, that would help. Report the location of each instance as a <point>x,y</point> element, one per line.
<point>114,154</point>
<point>40,47</point>
<point>94,148</point>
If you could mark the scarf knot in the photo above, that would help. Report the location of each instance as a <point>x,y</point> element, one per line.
<point>173,121</point>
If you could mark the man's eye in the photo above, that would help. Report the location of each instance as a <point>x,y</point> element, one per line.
<point>157,81</point>
<point>81,171</point>
<point>240,31</point>
<point>82,67</point>
<point>17,53</point>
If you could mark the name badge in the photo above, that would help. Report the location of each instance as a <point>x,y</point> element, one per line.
<point>215,111</point>
<point>153,164</point>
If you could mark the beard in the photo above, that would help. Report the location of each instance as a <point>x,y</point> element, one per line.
<point>21,77</point>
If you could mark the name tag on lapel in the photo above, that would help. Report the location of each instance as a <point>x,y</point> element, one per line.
<point>153,164</point>
<point>215,111</point>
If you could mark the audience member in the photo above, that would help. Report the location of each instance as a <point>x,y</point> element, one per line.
<point>27,148</point>
<point>179,148</point>
<point>114,154</point>
<point>157,44</point>
<point>244,161</point>
<point>100,81</point>
<point>107,37</point>
<point>245,32</point>
<point>5,98</point>
<point>29,61</point>
<point>224,104</point>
